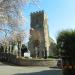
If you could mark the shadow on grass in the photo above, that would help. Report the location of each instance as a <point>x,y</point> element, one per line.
<point>46,72</point>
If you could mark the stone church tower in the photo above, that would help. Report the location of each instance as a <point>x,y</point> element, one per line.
<point>39,22</point>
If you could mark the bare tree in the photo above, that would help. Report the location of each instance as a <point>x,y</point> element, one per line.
<point>18,39</point>
<point>11,21</point>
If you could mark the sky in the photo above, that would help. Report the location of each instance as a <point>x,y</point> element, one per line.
<point>61,15</point>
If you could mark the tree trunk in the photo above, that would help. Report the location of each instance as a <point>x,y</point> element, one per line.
<point>19,49</point>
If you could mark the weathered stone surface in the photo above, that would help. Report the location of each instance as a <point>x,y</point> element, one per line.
<point>39,22</point>
<point>37,62</point>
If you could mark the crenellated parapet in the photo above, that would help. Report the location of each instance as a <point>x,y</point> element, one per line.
<point>37,12</point>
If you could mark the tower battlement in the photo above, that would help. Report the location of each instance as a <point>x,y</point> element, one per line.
<point>37,12</point>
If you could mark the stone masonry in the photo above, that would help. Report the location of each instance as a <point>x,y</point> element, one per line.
<point>39,22</point>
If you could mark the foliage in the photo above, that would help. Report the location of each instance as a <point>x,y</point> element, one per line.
<point>23,49</point>
<point>53,56</point>
<point>66,41</point>
<point>1,48</point>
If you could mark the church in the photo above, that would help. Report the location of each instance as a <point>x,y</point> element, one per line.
<point>40,42</point>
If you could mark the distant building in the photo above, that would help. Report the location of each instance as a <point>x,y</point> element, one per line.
<point>39,22</point>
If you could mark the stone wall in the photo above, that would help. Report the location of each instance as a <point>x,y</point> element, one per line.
<point>37,62</point>
<point>4,57</point>
<point>7,57</point>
